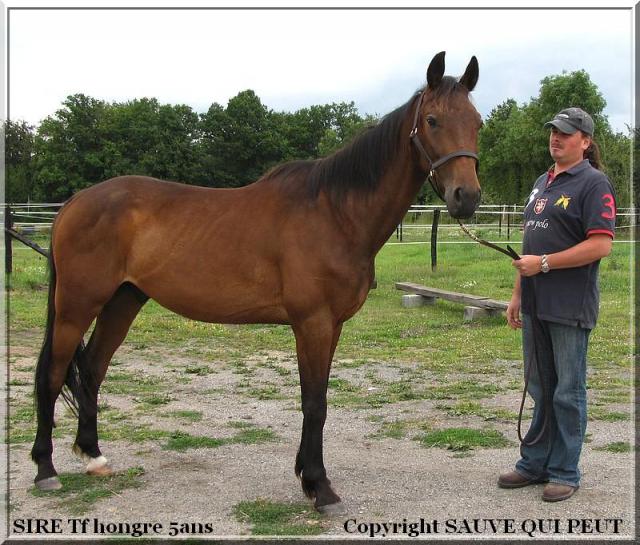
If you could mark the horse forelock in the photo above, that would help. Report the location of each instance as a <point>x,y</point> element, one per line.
<point>447,87</point>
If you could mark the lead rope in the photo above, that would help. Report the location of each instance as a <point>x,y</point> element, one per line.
<point>538,332</point>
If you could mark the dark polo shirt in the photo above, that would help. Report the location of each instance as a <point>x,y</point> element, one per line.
<point>560,213</point>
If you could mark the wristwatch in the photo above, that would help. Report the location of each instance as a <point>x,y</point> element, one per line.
<point>544,265</point>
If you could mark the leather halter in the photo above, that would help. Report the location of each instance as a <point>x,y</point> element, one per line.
<point>433,165</point>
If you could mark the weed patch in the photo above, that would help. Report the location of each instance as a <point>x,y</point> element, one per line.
<point>182,441</point>
<point>279,519</point>
<point>599,413</point>
<point>200,370</point>
<point>127,383</point>
<point>153,400</point>
<point>398,429</point>
<point>473,408</point>
<point>463,439</point>
<point>618,447</point>
<point>125,431</point>
<point>247,435</point>
<point>269,391</point>
<point>191,416</point>
<point>346,395</point>
<point>80,492</point>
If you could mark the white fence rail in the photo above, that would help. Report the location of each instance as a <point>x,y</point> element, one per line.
<point>35,217</point>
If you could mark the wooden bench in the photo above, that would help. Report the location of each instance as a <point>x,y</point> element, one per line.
<point>475,305</point>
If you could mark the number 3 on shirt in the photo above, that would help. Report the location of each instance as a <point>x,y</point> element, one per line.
<point>608,201</point>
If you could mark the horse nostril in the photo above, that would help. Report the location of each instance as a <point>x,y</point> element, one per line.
<point>457,195</point>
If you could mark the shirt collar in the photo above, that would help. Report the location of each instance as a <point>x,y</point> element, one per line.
<point>575,169</point>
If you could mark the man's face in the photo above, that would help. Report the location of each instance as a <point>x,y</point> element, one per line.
<point>567,149</point>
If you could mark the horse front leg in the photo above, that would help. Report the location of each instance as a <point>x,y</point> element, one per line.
<point>316,340</point>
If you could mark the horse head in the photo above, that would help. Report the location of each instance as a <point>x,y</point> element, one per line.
<point>445,132</point>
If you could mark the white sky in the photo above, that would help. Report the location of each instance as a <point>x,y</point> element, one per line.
<point>293,59</point>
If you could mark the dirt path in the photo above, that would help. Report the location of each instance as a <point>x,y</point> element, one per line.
<point>381,479</point>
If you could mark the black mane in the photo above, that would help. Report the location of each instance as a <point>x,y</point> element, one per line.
<point>360,164</point>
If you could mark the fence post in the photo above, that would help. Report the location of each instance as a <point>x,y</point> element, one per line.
<point>434,239</point>
<point>8,249</point>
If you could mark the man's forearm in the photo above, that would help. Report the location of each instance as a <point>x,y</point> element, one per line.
<point>588,251</point>
<point>517,289</point>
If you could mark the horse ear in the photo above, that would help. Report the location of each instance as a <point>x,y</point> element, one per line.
<point>470,76</point>
<point>435,70</point>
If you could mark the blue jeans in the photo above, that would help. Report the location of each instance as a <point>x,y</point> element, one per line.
<point>564,372</point>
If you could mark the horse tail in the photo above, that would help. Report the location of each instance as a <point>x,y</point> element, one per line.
<point>75,390</point>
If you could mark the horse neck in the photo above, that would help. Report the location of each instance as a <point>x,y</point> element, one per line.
<point>375,216</point>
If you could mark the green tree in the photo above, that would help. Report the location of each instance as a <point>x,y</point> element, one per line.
<point>346,125</point>
<point>500,151</point>
<point>88,141</point>
<point>569,89</point>
<point>19,161</point>
<point>147,138</point>
<point>616,153</point>
<point>304,129</point>
<point>68,149</point>
<point>241,141</point>
<point>514,143</point>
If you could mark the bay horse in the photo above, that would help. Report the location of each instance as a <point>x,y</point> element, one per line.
<point>295,247</point>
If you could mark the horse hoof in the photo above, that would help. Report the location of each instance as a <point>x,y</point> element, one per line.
<point>332,509</point>
<point>50,483</point>
<point>99,467</point>
<point>103,471</point>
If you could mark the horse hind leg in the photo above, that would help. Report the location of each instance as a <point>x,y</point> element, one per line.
<point>61,347</point>
<point>112,326</point>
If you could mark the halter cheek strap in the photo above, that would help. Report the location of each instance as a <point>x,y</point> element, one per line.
<point>433,165</point>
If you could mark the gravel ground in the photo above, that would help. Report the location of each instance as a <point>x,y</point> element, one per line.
<point>380,480</point>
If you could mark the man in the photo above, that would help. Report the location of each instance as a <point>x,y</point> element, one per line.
<point>569,226</point>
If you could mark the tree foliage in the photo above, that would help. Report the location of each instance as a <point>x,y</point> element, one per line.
<point>514,143</point>
<point>19,160</point>
<point>89,140</point>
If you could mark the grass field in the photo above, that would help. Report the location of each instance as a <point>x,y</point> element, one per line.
<point>434,335</point>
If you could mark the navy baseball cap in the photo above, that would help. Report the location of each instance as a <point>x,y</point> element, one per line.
<point>571,120</point>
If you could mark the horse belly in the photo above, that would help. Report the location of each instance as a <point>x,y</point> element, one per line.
<point>225,309</point>
<point>229,292</point>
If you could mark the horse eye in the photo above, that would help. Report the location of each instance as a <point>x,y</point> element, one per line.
<point>431,121</point>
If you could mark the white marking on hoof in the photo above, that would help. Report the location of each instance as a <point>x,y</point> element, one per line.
<point>95,466</point>
<point>98,466</point>
<point>332,509</point>
<point>50,483</point>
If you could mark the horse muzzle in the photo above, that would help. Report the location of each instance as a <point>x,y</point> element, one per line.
<point>462,201</point>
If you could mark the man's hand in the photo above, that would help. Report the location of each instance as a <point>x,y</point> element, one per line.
<point>513,313</point>
<point>528,265</point>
